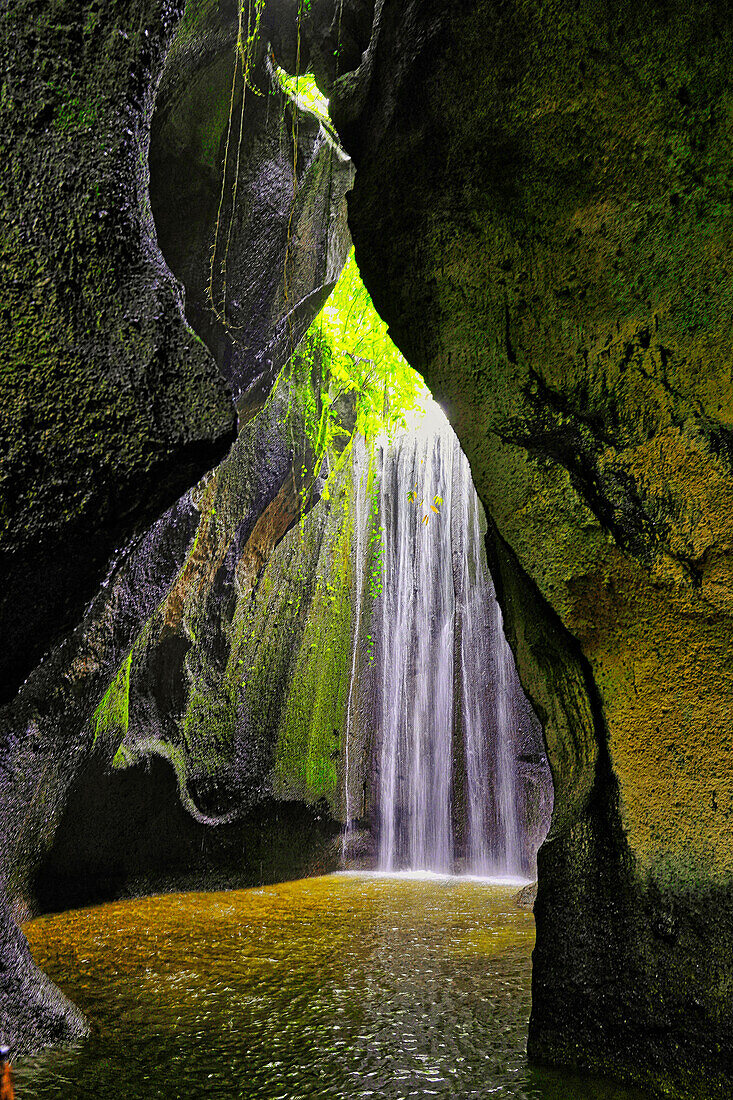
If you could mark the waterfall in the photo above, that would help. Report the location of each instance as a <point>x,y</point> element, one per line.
<point>418,609</point>
<point>476,657</point>
<point>508,858</point>
<point>446,676</point>
<point>485,653</point>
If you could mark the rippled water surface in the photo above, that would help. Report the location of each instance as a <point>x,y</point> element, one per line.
<point>344,986</point>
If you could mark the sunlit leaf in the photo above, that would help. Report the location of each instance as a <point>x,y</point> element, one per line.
<point>365,359</point>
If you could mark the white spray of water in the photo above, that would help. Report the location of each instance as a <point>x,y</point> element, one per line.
<point>445,669</point>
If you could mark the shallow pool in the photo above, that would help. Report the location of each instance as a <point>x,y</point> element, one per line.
<point>344,986</point>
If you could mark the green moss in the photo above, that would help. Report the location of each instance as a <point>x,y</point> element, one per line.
<point>208,726</point>
<point>309,745</point>
<point>75,114</point>
<point>196,20</point>
<point>112,716</point>
<point>304,91</point>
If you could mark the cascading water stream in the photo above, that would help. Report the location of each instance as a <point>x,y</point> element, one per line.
<point>509,859</point>
<point>476,657</point>
<point>418,610</point>
<point>446,674</point>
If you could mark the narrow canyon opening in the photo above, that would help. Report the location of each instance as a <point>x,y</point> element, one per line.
<point>326,686</point>
<point>356,632</point>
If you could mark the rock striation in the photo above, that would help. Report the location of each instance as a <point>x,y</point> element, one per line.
<point>542,212</point>
<point>247,191</point>
<point>111,405</point>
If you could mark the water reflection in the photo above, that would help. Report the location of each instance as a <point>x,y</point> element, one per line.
<point>344,986</point>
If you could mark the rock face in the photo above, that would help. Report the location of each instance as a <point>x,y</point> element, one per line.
<point>247,192</point>
<point>542,213</point>
<point>191,693</point>
<point>176,746</point>
<point>259,695</point>
<point>112,406</point>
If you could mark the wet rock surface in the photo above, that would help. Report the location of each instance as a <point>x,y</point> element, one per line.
<point>114,407</point>
<point>248,194</point>
<point>111,406</point>
<point>126,833</point>
<point>192,696</point>
<point>542,214</point>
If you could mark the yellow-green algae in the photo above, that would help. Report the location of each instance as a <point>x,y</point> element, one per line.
<point>283,684</point>
<point>112,717</point>
<point>310,737</point>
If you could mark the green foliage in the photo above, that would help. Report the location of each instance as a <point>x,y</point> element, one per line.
<point>364,359</point>
<point>348,351</point>
<point>304,91</point>
<point>412,497</point>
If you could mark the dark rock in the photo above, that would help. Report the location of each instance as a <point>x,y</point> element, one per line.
<point>527,896</point>
<point>111,406</point>
<point>260,249</point>
<point>125,833</point>
<point>178,748</point>
<point>542,212</point>
<point>33,1011</point>
<point>45,736</point>
<point>221,747</point>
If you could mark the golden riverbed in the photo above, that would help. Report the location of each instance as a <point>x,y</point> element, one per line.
<point>347,986</point>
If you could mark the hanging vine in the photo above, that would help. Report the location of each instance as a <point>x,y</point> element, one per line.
<point>320,433</point>
<point>244,56</point>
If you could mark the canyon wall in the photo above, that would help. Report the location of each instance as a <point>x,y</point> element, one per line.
<point>173,780</point>
<point>542,213</point>
<point>256,700</point>
<point>112,405</point>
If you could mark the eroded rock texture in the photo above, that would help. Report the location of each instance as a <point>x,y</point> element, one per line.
<point>193,695</point>
<point>247,192</point>
<point>112,406</point>
<point>542,213</point>
<point>168,783</point>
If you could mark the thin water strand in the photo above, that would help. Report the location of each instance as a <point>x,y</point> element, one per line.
<point>505,718</point>
<point>475,660</point>
<point>360,478</point>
